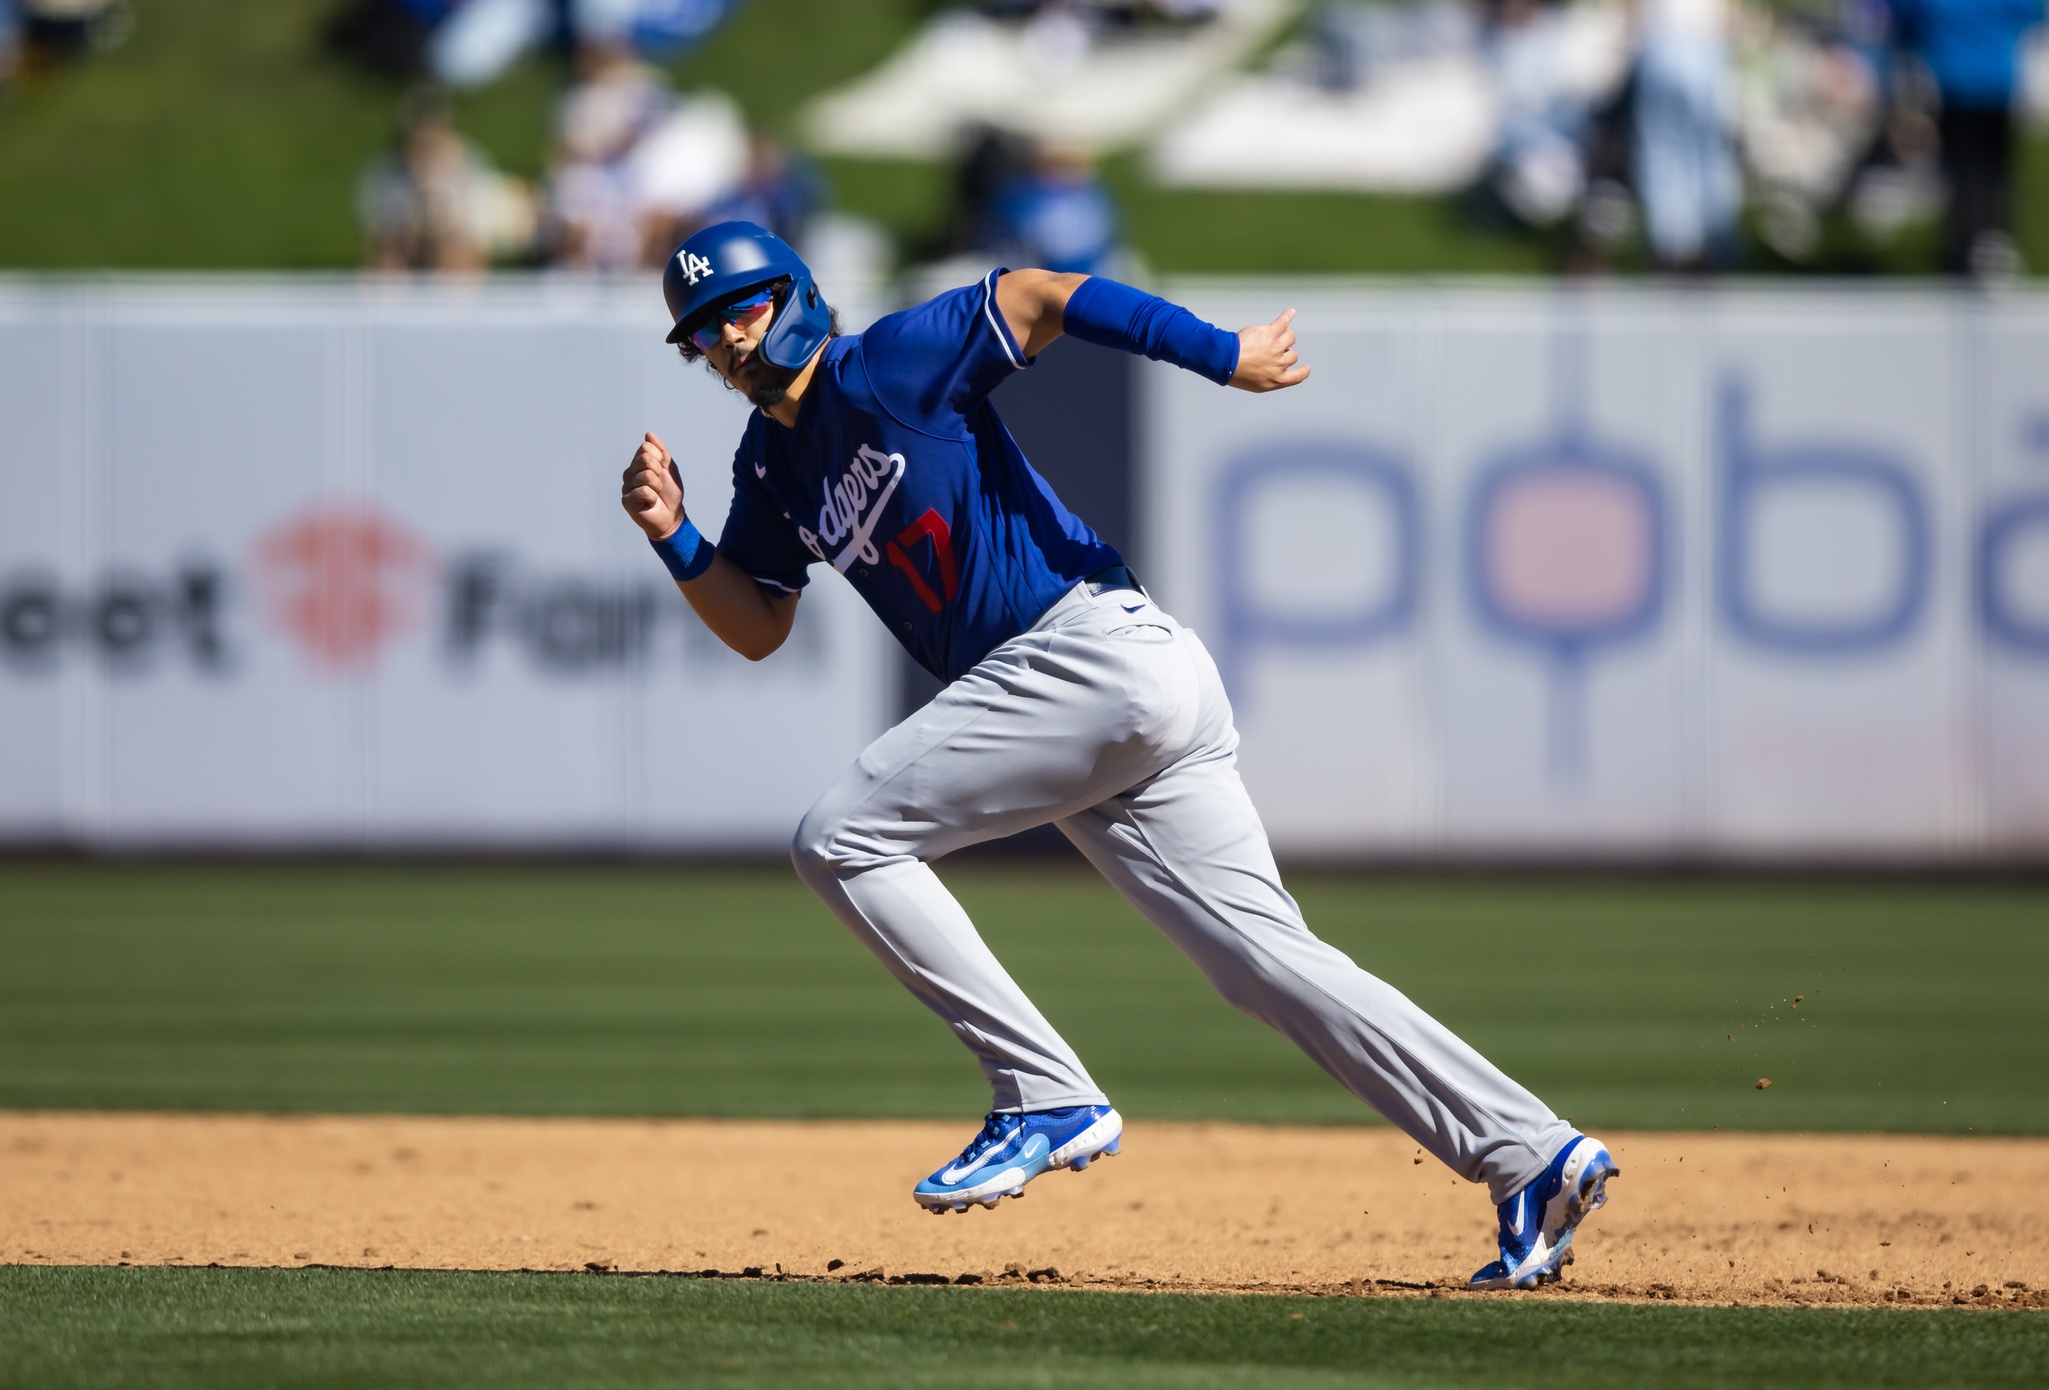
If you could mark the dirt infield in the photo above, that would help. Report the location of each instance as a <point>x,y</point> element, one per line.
<point>1694,1217</point>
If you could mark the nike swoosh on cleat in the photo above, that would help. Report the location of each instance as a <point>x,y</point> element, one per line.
<point>954,1172</point>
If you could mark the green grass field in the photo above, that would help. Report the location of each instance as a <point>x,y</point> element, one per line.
<point>677,990</point>
<point>681,991</point>
<point>235,1328</point>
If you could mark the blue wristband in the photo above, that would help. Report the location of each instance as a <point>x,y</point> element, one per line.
<point>1118,316</point>
<point>686,552</point>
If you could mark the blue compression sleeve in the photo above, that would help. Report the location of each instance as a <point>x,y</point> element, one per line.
<point>686,552</point>
<point>1115,315</point>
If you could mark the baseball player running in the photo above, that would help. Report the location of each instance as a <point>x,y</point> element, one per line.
<point>1070,698</point>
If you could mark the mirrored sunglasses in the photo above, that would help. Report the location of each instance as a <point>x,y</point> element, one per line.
<point>744,312</point>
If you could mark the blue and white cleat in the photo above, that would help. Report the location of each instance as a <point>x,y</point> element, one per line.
<point>1011,1150</point>
<point>1537,1223</point>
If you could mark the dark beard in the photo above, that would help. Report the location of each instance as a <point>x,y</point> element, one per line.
<point>767,385</point>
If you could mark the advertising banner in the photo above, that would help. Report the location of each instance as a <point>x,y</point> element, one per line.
<point>1743,573</point>
<point>328,564</point>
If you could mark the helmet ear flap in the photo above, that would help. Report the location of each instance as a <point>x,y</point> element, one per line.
<point>802,324</point>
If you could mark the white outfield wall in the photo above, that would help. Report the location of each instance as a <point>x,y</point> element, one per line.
<point>1609,571</point>
<point>317,563</point>
<point>305,563</point>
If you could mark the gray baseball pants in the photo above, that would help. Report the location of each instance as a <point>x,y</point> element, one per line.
<point>1108,719</point>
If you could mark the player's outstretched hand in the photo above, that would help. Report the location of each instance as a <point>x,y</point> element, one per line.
<point>1266,356</point>
<point>652,490</point>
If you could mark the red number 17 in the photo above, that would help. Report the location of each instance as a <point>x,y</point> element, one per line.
<point>933,526</point>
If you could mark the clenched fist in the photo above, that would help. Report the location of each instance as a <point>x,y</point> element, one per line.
<point>652,490</point>
<point>1266,356</point>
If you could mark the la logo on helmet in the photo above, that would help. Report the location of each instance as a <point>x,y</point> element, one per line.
<point>695,267</point>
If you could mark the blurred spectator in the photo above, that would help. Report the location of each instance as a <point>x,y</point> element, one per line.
<point>49,33</point>
<point>1056,214</point>
<point>991,158</point>
<point>1059,35</point>
<point>614,104</point>
<point>1685,167</point>
<point>10,39</point>
<point>436,204</point>
<point>1812,117</point>
<point>389,37</point>
<point>485,37</point>
<point>664,29</point>
<point>466,43</point>
<point>615,101</point>
<point>696,157</point>
<point>1540,155</point>
<point>1124,11</point>
<point>479,39</point>
<point>1899,181</point>
<point>1608,218</point>
<point>634,164</point>
<point>1355,45</point>
<point>1027,203</point>
<point>779,191</point>
<point>1971,47</point>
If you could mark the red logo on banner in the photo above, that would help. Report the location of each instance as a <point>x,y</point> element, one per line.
<point>342,582</point>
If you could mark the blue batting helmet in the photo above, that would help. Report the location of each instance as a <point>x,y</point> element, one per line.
<point>728,261</point>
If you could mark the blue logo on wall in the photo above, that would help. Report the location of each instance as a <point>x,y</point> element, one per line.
<point>2005,530</point>
<point>1748,473</point>
<point>1247,625</point>
<point>1568,548</point>
<point>1565,548</point>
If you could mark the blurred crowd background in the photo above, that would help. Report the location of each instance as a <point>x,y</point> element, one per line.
<point>1688,137</point>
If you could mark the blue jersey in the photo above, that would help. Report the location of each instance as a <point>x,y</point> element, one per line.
<point>899,475</point>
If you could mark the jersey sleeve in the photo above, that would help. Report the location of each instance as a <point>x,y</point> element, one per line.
<point>758,537</point>
<point>933,364</point>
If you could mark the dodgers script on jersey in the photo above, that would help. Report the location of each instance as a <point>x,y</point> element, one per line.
<point>899,474</point>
